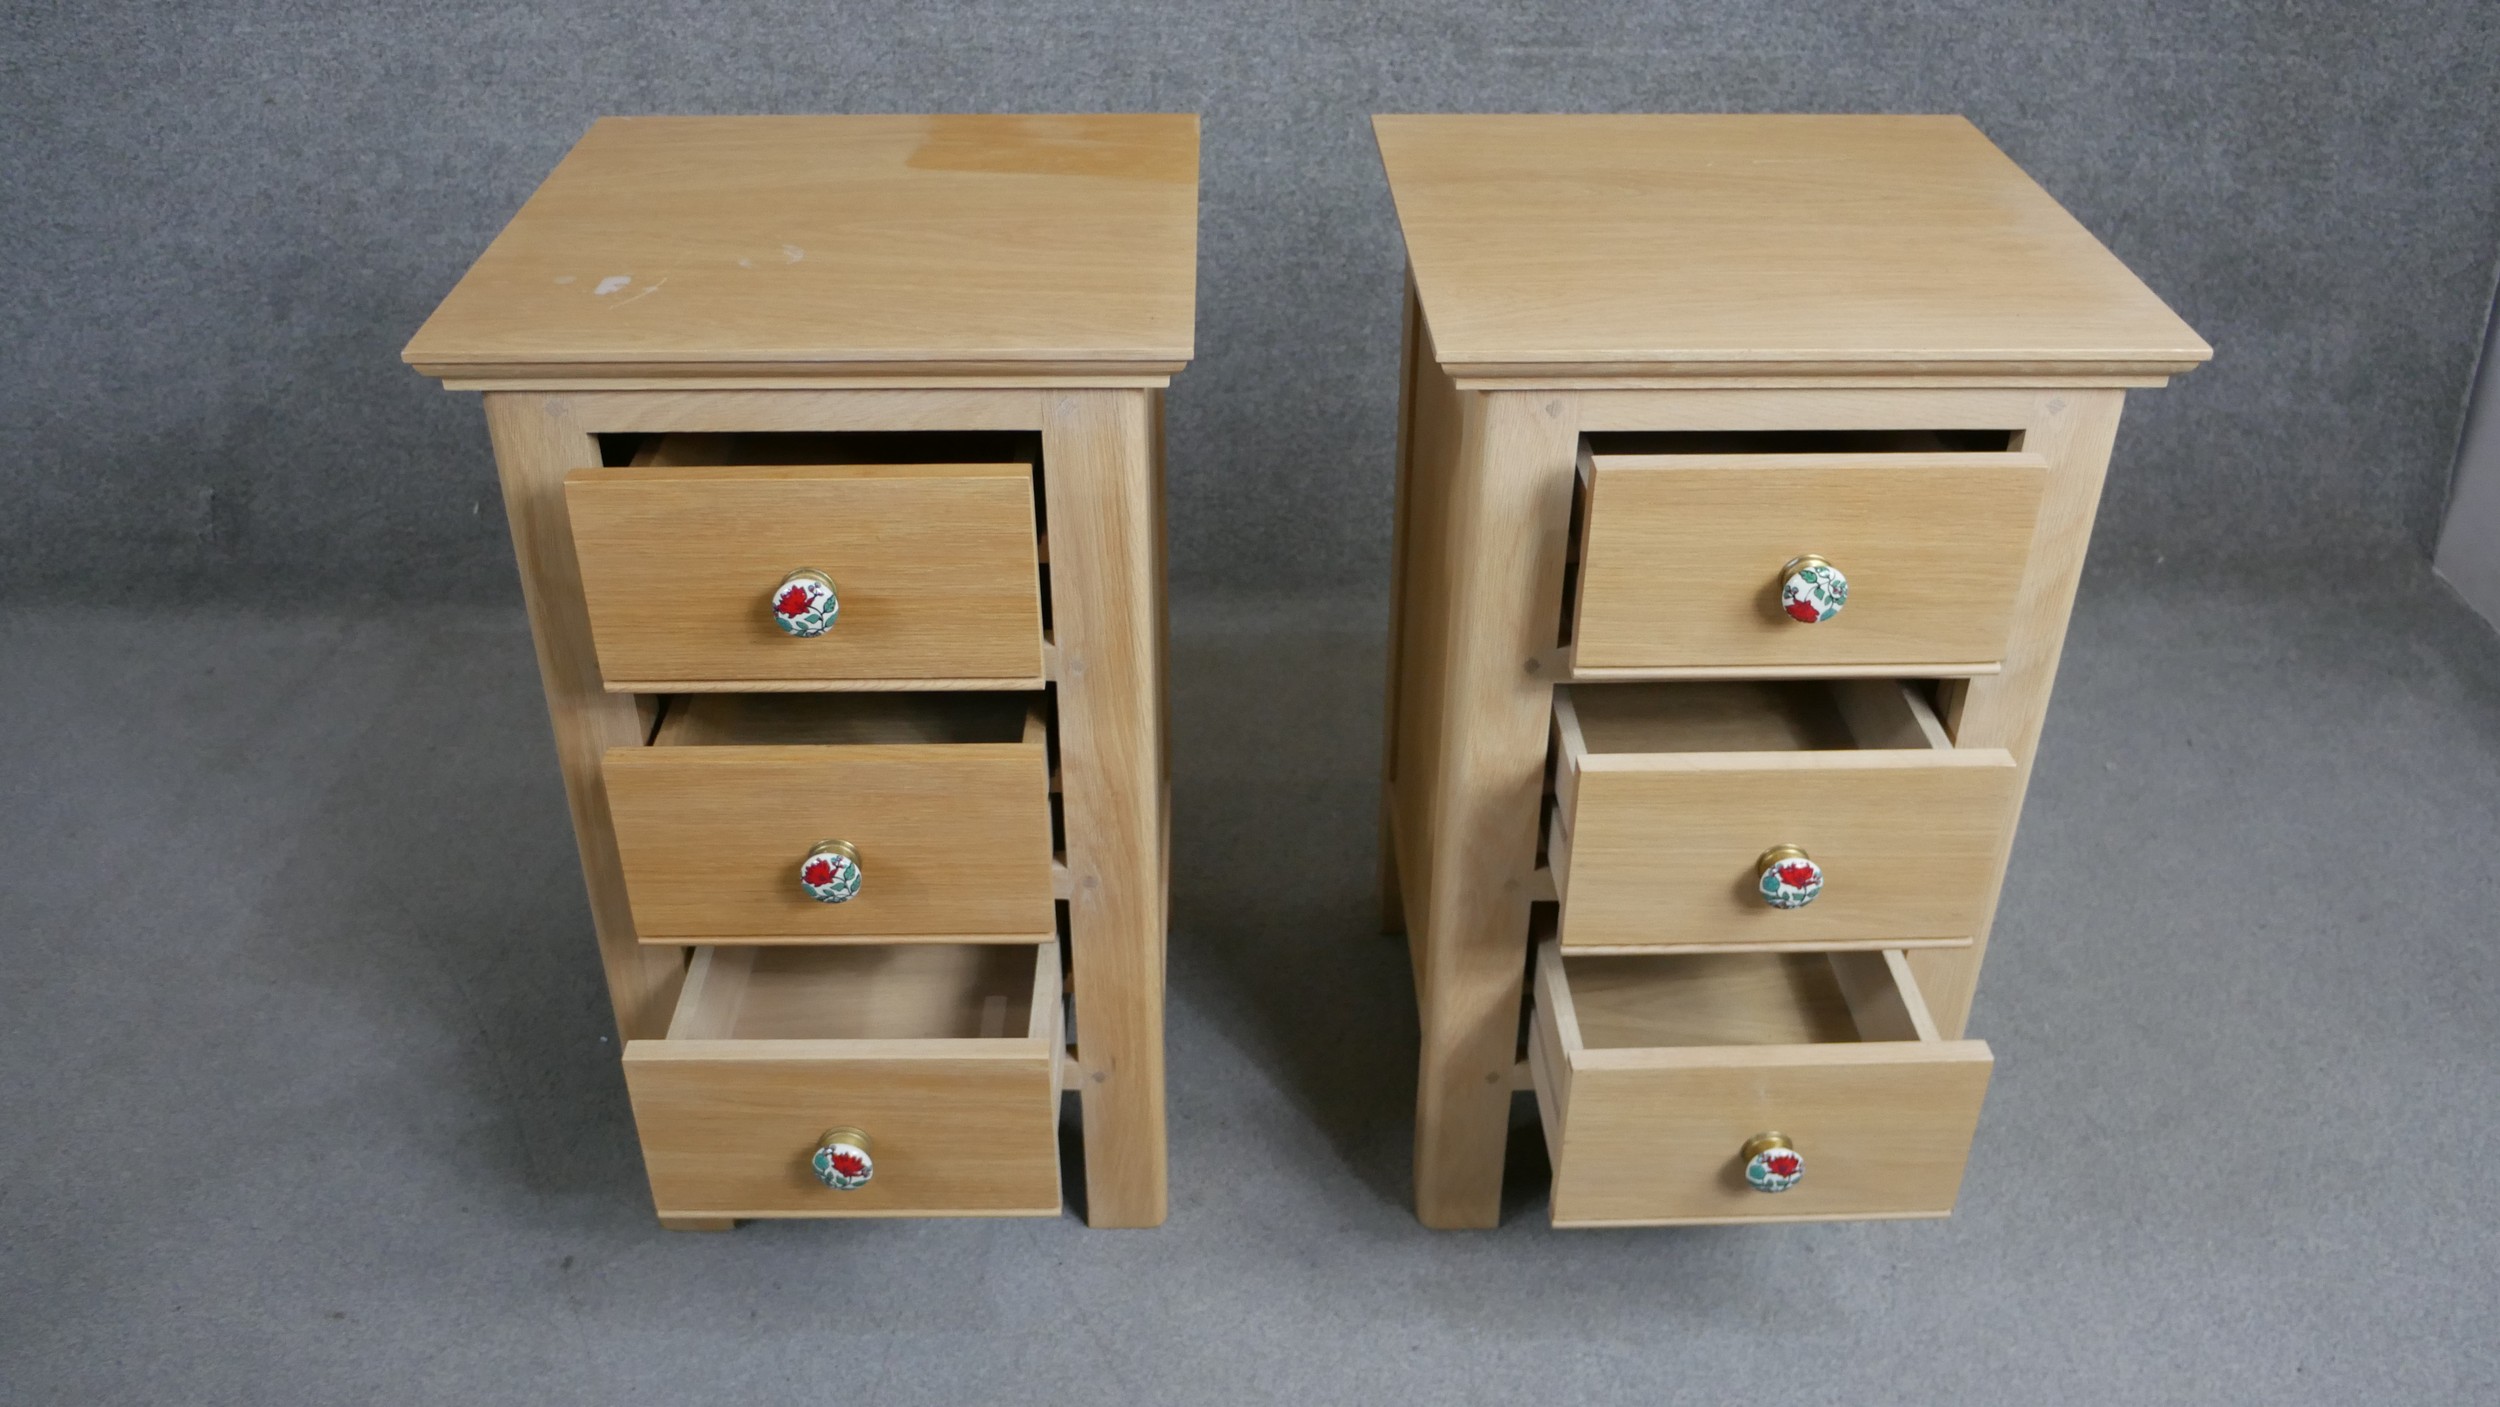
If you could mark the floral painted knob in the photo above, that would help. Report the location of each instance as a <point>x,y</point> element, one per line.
<point>1812,590</point>
<point>1771,1163</point>
<point>830,873</point>
<point>804,604</point>
<point>1790,878</point>
<point>841,1160</point>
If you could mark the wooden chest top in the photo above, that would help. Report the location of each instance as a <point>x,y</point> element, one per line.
<point>1756,246</point>
<point>704,246</point>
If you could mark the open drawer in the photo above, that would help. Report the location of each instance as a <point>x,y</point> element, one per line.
<point>1725,1087</point>
<point>1688,541</point>
<point>905,1081</point>
<point>1771,813</point>
<point>810,818</point>
<point>696,562</point>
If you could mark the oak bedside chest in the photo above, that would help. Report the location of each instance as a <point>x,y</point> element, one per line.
<point>1745,474</point>
<point>832,448</point>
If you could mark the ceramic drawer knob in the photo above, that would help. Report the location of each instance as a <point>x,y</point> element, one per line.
<point>1812,590</point>
<point>1772,1163</point>
<point>841,1160</point>
<point>1790,878</point>
<point>830,874</point>
<point>804,604</point>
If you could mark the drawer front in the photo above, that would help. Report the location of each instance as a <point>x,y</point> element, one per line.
<point>727,1133</point>
<point>1884,1131</point>
<point>935,569</point>
<point>953,840</point>
<point>1682,558</point>
<point>1652,1112</point>
<point>1670,851</point>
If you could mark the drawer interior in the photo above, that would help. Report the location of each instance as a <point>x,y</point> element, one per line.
<point>848,719</point>
<point>1723,442</point>
<point>899,447</point>
<point>935,451</point>
<point>903,992</point>
<point>1735,999</point>
<point>1747,715</point>
<point>1603,725</point>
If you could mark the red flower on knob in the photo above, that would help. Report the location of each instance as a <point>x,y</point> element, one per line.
<point>1803,610</point>
<point>818,871</point>
<point>793,602</point>
<point>1796,876</point>
<point>850,1164</point>
<point>1781,1164</point>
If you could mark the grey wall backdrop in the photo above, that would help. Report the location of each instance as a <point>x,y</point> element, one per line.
<point>223,219</point>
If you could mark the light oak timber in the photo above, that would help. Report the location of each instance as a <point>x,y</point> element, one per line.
<point>1392,893</point>
<point>1642,245</point>
<point>1561,666</point>
<point>1104,507</point>
<point>1666,804</point>
<point>1652,1073</point>
<point>1495,584</point>
<point>537,442</point>
<point>945,796</point>
<point>1019,682</point>
<point>1425,677</point>
<point>1118,962</point>
<point>934,567</point>
<point>1720,274</point>
<point>1046,245</point>
<point>946,1057</point>
<point>1028,274</point>
<point>837,410</point>
<point>862,378</point>
<point>1682,554</point>
<point>1427,447</point>
<point>1885,405</point>
<point>1594,381</point>
<point>2074,431</point>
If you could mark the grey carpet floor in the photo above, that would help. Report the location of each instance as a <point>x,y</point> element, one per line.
<point>307,1092</point>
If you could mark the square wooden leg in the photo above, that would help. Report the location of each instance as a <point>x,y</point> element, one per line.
<point>1099,475</point>
<point>1505,488</point>
<point>537,442</point>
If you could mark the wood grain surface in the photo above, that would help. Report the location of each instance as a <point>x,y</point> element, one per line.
<point>958,245</point>
<point>948,1059</point>
<point>1626,245</point>
<point>1746,1044</point>
<point>1682,556</point>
